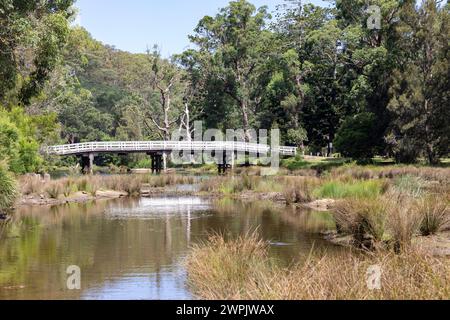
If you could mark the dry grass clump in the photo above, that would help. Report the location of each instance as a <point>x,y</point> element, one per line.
<point>224,268</point>
<point>394,219</point>
<point>55,189</point>
<point>403,219</point>
<point>365,220</point>
<point>242,269</point>
<point>435,214</point>
<point>299,189</point>
<point>31,184</point>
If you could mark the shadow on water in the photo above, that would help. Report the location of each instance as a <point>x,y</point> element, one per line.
<point>134,248</point>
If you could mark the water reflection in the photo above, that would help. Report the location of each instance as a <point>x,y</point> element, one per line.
<point>134,248</point>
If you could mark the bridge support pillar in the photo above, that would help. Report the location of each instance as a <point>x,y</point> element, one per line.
<point>157,163</point>
<point>87,163</point>
<point>225,166</point>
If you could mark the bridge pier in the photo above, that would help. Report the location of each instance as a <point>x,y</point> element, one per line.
<point>87,163</point>
<point>223,167</point>
<point>157,163</point>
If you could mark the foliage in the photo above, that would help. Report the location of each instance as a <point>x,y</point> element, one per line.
<point>21,136</point>
<point>8,188</point>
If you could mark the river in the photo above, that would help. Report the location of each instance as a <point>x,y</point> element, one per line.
<point>135,248</point>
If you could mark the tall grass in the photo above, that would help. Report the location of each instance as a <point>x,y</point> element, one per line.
<point>365,220</point>
<point>230,264</point>
<point>354,189</point>
<point>8,188</point>
<point>434,213</point>
<point>243,269</point>
<point>403,220</point>
<point>299,189</point>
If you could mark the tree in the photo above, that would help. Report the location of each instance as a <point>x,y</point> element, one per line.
<point>297,137</point>
<point>233,48</point>
<point>32,36</point>
<point>164,105</point>
<point>355,139</point>
<point>420,97</point>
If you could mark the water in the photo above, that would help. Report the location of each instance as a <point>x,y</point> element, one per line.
<point>135,248</point>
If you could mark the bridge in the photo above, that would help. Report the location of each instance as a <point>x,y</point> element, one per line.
<point>158,149</point>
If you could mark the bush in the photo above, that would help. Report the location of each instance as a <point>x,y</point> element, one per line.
<point>8,188</point>
<point>293,164</point>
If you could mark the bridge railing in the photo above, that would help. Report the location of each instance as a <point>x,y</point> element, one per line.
<point>159,146</point>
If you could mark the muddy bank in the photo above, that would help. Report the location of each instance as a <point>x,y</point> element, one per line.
<point>79,197</point>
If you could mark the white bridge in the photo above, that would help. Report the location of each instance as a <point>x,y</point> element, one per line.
<point>166,146</point>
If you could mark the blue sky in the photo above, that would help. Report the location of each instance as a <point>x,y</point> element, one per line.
<point>132,25</point>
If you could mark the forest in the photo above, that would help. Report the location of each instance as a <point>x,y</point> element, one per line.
<point>319,74</point>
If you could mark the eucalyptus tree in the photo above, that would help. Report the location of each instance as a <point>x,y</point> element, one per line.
<point>233,47</point>
<point>32,36</point>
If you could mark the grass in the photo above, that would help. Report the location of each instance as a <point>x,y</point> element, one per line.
<point>242,269</point>
<point>354,189</point>
<point>299,190</point>
<point>364,219</point>
<point>8,188</point>
<point>435,214</point>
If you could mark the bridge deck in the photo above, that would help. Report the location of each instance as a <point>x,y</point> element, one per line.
<point>164,146</point>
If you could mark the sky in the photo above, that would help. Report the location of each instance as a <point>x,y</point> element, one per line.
<point>135,25</point>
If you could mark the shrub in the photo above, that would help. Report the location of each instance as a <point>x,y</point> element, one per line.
<point>8,188</point>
